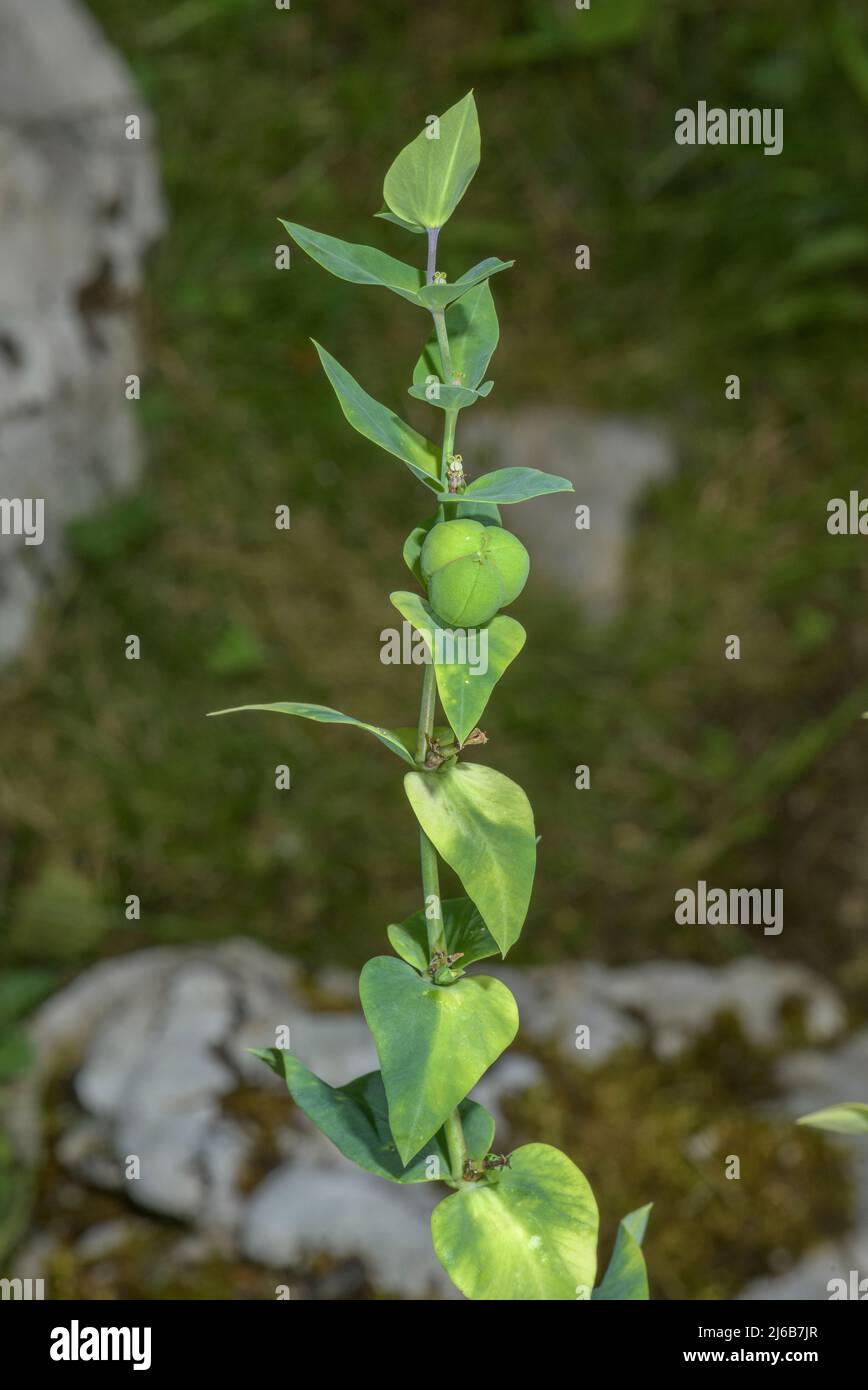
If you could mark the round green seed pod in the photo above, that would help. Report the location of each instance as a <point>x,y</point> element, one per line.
<point>472,570</point>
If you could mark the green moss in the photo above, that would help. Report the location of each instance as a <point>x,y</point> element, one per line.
<point>643,1129</point>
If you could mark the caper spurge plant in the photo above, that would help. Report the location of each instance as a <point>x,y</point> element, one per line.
<point>520,1225</point>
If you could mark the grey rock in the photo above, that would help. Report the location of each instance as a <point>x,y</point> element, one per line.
<point>611,462</point>
<point>679,999</point>
<point>81,206</point>
<point>104,1239</point>
<point>298,1210</point>
<point>159,1038</point>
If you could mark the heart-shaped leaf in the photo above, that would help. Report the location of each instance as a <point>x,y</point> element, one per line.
<point>380,425</point>
<point>440,296</point>
<point>527,1233</point>
<point>512,485</point>
<point>465,931</point>
<point>434,1042</point>
<point>850,1117</point>
<point>428,179</point>
<point>355,1118</point>
<point>468,664</point>
<point>362,265</point>
<point>627,1277</point>
<point>481,823</point>
<point>473,331</point>
<point>323,715</point>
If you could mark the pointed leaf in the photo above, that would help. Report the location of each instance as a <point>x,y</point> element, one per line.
<point>481,823</point>
<point>428,179</point>
<point>439,296</point>
<point>434,1042</point>
<point>464,928</point>
<point>323,715</point>
<point>473,332</point>
<point>399,222</point>
<point>627,1277</point>
<point>381,425</point>
<point>512,485</point>
<point>468,664</point>
<point>361,265</point>
<point>528,1233</point>
<point>850,1117</point>
<point>355,1118</point>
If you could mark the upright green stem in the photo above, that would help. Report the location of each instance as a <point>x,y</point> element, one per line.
<point>430,868</point>
<point>443,343</point>
<point>456,1144</point>
<point>427,704</point>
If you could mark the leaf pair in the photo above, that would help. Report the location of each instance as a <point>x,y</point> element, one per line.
<point>366,265</point>
<point>434,1042</point>
<point>530,1233</point>
<point>355,1118</point>
<point>467,663</point>
<point>479,821</point>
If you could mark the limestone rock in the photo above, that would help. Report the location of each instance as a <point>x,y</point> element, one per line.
<point>81,205</point>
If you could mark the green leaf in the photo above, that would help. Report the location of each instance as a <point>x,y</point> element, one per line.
<point>434,1042</point>
<point>428,179</point>
<point>850,1117</point>
<point>512,485</point>
<point>355,1118</point>
<point>321,714</point>
<point>446,397</point>
<point>627,1277</point>
<point>486,513</point>
<point>361,265</point>
<point>464,928</point>
<point>481,823</point>
<point>399,222</point>
<point>527,1233</point>
<point>467,666</point>
<point>413,549</point>
<point>439,296</point>
<point>381,425</point>
<point>473,331</point>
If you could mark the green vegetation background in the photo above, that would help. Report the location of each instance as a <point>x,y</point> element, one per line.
<point>704,262</point>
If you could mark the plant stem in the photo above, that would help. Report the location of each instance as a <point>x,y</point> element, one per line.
<point>425,727</point>
<point>431,894</point>
<point>456,1145</point>
<point>439,316</point>
<point>433,234</point>
<point>427,853</point>
<point>430,870</point>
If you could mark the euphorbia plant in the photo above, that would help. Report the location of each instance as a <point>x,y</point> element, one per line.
<point>520,1225</point>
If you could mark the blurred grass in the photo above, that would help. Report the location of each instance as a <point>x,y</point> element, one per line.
<point>703,263</point>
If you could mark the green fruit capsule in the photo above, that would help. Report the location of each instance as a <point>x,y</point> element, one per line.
<point>472,570</point>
